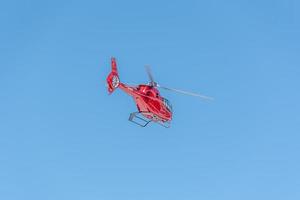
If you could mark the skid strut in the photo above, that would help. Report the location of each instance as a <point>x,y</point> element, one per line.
<point>139,119</point>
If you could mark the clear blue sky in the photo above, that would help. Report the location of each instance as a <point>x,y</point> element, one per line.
<point>62,137</point>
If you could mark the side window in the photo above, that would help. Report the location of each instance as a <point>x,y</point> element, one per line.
<point>167,104</point>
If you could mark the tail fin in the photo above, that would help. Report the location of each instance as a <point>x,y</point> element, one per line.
<point>113,80</point>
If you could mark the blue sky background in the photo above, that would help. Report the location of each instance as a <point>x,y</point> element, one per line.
<point>63,137</point>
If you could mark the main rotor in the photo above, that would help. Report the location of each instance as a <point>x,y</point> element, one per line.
<point>154,84</point>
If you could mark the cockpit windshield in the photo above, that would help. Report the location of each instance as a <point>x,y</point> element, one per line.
<point>168,104</point>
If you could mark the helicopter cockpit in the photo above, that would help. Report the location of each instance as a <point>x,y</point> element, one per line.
<point>168,104</point>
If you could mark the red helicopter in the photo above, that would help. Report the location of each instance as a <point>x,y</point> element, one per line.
<point>152,107</point>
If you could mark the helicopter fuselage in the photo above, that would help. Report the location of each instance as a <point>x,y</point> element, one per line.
<point>149,102</point>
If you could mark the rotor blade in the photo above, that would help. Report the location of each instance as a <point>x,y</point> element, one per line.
<point>187,93</point>
<point>148,70</point>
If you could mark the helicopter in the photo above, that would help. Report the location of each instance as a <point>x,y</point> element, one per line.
<point>151,106</point>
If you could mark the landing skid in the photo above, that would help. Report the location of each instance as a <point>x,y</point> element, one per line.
<point>139,119</point>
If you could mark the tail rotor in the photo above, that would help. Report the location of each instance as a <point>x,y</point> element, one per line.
<point>113,80</point>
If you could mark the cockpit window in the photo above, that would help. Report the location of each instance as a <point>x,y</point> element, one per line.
<point>168,104</point>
